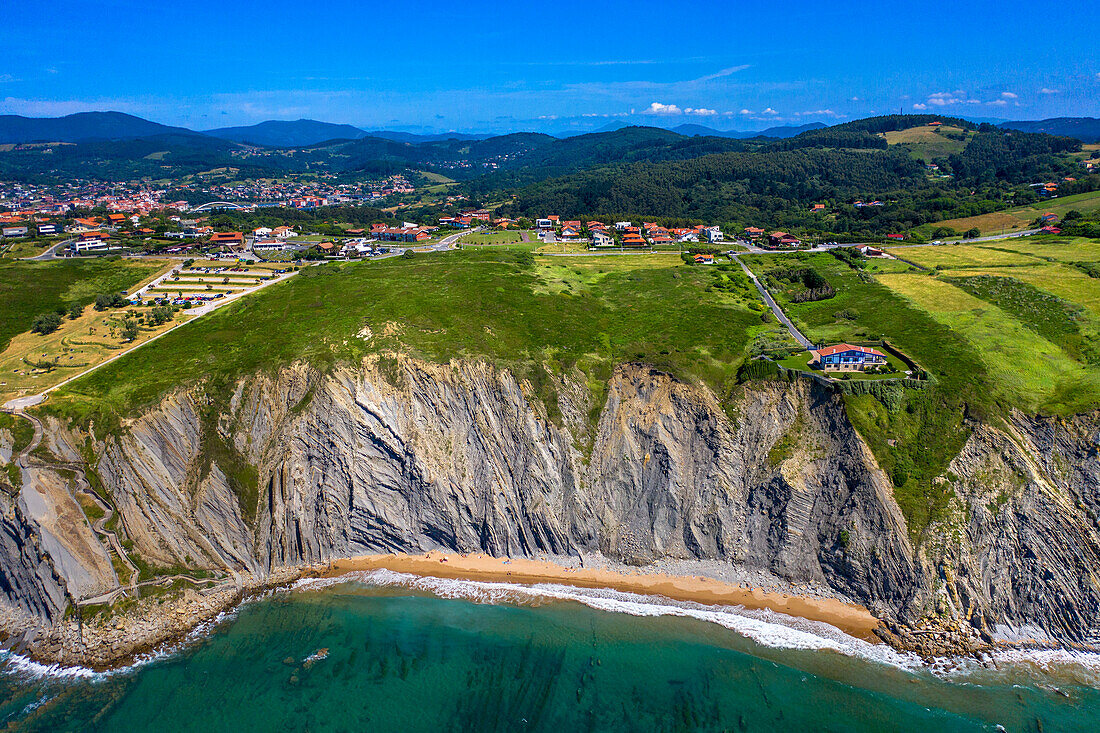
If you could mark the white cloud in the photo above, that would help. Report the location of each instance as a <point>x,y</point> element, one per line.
<point>998,103</point>
<point>1009,95</point>
<point>855,99</point>
<point>700,112</point>
<point>920,105</point>
<point>746,112</point>
<point>820,113</point>
<point>7,79</point>
<point>942,99</point>
<point>1046,90</point>
<point>656,108</point>
<point>769,111</point>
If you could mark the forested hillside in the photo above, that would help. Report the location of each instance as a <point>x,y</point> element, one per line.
<point>774,184</point>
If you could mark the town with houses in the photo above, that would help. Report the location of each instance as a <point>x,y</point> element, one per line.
<point>149,221</point>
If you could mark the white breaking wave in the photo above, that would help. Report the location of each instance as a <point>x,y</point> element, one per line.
<point>26,668</point>
<point>765,627</point>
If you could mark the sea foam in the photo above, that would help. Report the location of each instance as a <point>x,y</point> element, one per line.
<point>764,627</point>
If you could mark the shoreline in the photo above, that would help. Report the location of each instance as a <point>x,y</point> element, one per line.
<point>853,619</point>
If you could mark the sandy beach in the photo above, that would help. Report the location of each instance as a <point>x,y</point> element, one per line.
<point>851,618</point>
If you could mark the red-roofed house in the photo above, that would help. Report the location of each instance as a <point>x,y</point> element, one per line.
<point>782,239</point>
<point>847,358</point>
<point>233,240</point>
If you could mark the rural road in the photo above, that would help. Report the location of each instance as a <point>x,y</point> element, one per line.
<point>51,253</point>
<point>21,403</point>
<point>779,314</point>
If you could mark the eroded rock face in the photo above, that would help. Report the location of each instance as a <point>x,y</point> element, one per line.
<point>407,456</point>
<point>1021,549</point>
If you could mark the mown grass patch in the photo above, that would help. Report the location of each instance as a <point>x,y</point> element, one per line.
<point>955,256</point>
<point>492,238</point>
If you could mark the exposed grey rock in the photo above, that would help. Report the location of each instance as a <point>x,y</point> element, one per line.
<point>463,457</point>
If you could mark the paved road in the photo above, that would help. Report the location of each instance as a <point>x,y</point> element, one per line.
<point>51,253</point>
<point>779,314</point>
<point>989,238</point>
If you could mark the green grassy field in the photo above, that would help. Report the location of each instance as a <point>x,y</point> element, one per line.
<point>926,143</point>
<point>914,434</point>
<point>493,304</point>
<point>1022,216</point>
<point>492,238</point>
<point>30,288</point>
<point>1029,369</point>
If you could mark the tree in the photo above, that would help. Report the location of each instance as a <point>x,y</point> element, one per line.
<point>972,233</point>
<point>408,254</point>
<point>110,300</point>
<point>46,323</point>
<point>75,311</point>
<point>129,329</point>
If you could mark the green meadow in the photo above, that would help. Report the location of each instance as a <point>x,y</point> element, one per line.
<point>30,288</point>
<point>498,305</point>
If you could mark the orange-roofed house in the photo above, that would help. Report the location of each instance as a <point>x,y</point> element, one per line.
<point>233,240</point>
<point>848,358</point>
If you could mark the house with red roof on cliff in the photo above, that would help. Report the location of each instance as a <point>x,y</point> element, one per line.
<point>847,358</point>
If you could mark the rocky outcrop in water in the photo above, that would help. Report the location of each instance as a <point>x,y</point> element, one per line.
<point>408,456</point>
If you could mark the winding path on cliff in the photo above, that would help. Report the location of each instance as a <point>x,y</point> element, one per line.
<point>83,486</point>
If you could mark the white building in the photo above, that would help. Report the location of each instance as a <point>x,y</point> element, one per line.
<point>622,226</point>
<point>269,245</point>
<point>600,239</point>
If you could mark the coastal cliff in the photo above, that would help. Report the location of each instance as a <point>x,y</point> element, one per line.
<point>300,468</point>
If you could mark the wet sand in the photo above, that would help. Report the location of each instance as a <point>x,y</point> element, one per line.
<point>851,618</point>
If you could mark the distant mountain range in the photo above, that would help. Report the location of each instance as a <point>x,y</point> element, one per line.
<point>776,132</point>
<point>106,126</point>
<point>1085,129</point>
<point>286,134</point>
<point>81,127</point>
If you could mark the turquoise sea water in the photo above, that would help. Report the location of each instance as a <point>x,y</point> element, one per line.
<point>385,652</point>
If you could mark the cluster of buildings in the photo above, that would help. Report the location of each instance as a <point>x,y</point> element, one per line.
<point>625,234</point>
<point>30,204</point>
<point>408,232</point>
<point>1049,189</point>
<point>306,194</point>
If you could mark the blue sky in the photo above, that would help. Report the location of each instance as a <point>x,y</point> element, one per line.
<point>557,66</point>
